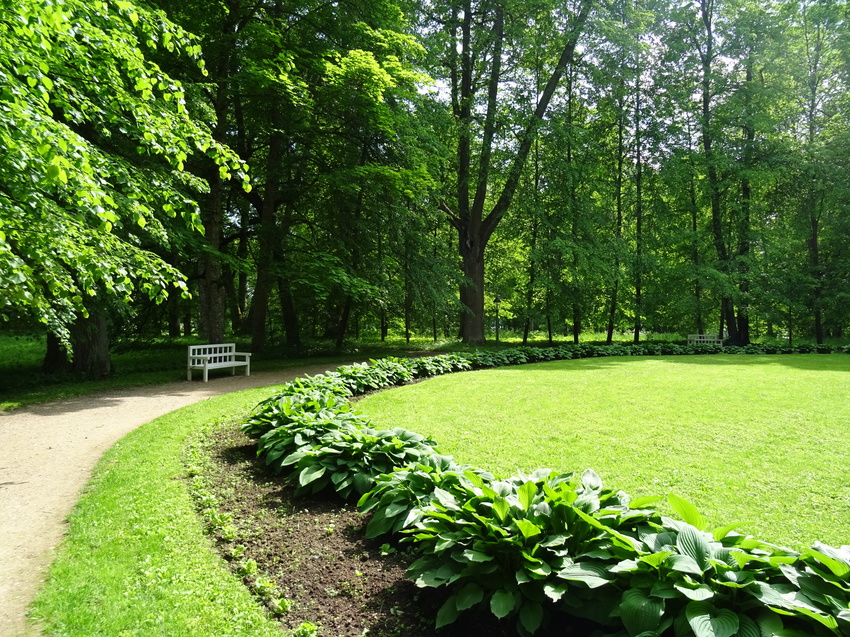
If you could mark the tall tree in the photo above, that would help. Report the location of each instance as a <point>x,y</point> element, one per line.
<point>479,55</point>
<point>96,138</point>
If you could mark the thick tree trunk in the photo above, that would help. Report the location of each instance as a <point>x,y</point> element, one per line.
<point>90,343</point>
<point>56,357</point>
<point>638,213</point>
<point>267,239</point>
<point>474,228</point>
<point>342,325</point>
<point>814,261</point>
<point>618,185</point>
<point>211,291</point>
<point>472,291</point>
<point>698,320</point>
<point>173,307</point>
<point>291,327</point>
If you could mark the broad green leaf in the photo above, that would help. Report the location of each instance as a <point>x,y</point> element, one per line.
<point>593,575</point>
<point>292,458</point>
<point>640,503</point>
<point>640,613</point>
<point>722,531</point>
<point>747,627</point>
<point>684,564</point>
<point>394,508</point>
<point>310,474</point>
<point>528,529</point>
<point>469,596</point>
<point>362,482</point>
<point>831,559</point>
<point>698,594</point>
<point>706,621</point>
<point>687,511</point>
<point>531,615</point>
<point>448,612</point>
<point>591,480</point>
<point>476,556</point>
<point>503,603</point>
<point>656,559</point>
<point>694,544</point>
<point>554,591</point>
<point>827,620</point>
<point>526,495</point>
<point>501,508</point>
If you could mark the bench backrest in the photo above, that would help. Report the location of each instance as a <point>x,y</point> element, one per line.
<point>220,352</point>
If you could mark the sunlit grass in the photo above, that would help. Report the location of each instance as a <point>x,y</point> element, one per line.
<point>759,439</point>
<point>136,561</point>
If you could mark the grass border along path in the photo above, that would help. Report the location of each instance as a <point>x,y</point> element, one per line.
<point>135,546</point>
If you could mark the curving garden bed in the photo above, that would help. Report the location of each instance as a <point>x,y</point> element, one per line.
<point>531,547</point>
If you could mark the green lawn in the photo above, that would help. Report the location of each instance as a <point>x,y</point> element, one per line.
<point>136,562</point>
<point>757,439</point>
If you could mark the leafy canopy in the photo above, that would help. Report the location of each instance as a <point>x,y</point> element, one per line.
<point>96,138</point>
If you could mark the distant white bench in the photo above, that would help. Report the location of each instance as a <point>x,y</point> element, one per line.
<point>216,356</point>
<point>705,339</point>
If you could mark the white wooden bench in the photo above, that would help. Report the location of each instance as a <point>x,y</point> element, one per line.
<point>216,356</point>
<point>705,339</point>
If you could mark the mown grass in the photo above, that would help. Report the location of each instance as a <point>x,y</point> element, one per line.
<point>756,439</point>
<point>136,561</point>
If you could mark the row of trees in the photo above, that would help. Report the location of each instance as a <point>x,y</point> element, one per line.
<point>629,166</point>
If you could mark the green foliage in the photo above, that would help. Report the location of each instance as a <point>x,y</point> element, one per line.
<point>523,545</point>
<point>349,458</point>
<point>399,497</point>
<point>96,138</point>
<point>285,408</point>
<point>528,545</point>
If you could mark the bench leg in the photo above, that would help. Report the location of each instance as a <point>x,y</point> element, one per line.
<point>189,374</point>
<point>206,373</point>
<point>248,368</point>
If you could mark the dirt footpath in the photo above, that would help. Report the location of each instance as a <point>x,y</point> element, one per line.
<point>47,453</point>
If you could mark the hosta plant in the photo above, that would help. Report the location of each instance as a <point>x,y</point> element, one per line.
<point>398,498</point>
<point>515,544</point>
<point>349,458</point>
<point>283,409</point>
<point>303,431</point>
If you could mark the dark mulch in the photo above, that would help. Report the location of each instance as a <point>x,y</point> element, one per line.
<point>317,553</point>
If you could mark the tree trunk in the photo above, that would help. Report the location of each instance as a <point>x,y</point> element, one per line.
<point>744,229</point>
<point>814,261</point>
<point>90,343</point>
<point>291,327</point>
<point>472,291</point>
<point>267,239</point>
<point>211,291</point>
<point>638,209</point>
<point>696,258</point>
<point>56,357</point>
<point>473,227</point>
<point>173,307</point>
<point>342,325</point>
<point>618,186</point>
